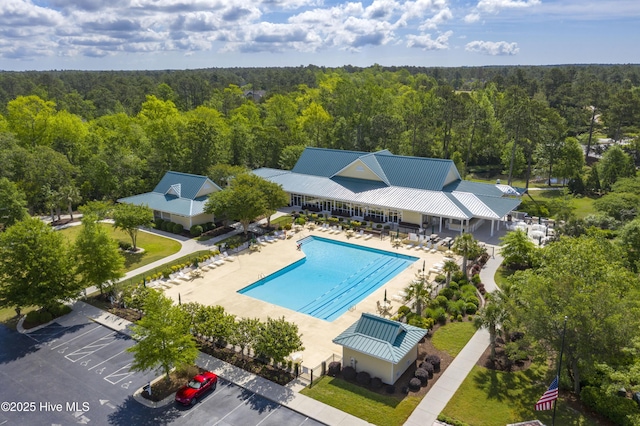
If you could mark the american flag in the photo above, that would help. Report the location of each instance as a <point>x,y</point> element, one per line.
<point>546,400</point>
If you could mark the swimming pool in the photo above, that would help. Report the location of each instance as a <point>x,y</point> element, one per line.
<point>332,277</point>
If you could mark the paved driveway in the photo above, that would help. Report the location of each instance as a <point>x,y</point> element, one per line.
<point>78,372</point>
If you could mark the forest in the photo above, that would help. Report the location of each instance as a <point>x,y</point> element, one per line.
<point>67,136</point>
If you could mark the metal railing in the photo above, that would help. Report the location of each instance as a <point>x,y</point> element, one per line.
<point>312,375</point>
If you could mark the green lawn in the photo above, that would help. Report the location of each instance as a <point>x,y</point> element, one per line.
<point>155,247</point>
<point>370,406</point>
<point>583,205</point>
<point>453,336</point>
<point>494,398</point>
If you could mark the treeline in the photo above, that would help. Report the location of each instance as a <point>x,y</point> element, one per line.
<point>69,136</point>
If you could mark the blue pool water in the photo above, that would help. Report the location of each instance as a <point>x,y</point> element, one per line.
<point>331,278</point>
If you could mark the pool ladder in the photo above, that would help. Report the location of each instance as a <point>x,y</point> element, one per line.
<point>261,276</point>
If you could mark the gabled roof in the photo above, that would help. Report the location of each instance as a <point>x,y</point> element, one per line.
<point>185,185</point>
<point>395,170</point>
<point>380,337</point>
<point>177,193</point>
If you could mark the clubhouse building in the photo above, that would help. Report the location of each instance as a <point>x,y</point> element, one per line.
<point>410,193</point>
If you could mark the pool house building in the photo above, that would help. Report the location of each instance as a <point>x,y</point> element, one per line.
<point>409,193</point>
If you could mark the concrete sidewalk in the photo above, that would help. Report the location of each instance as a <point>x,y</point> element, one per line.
<point>263,387</point>
<point>443,390</point>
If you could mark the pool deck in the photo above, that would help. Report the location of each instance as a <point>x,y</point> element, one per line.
<point>220,285</point>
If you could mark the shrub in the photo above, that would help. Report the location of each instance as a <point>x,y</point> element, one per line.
<point>59,310</point>
<point>349,373</point>
<point>376,383</point>
<point>471,309</point>
<point>428,367</point>
<point>447,292</point>
<point>438,314</point>
<point>422,375</point>
<point>616,408</point>
<point>403,310</point>
<point>415,384</point>
<point>472,300</point>
<point>454,286</point>
<point>459,277</point>
<point>124,245</point>
<point>45,316</point>
<point>363,378</point>
<point>196,230</point>
<point>441,300</point>
<point>334,368</point>
<point>33,317</point>
<point>158,223</point>
<point>166,226</point>
<point>418,321</point>
<point>301,221</point>
<point>287,227</point>
<point>459,318</point>
<point>440,279</point>
<point>435,361</point>
<point>356,224</point>
<point>177,228</point>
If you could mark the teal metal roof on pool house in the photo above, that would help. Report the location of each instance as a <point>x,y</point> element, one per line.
<point>381,338</point>
<point>179,194</point>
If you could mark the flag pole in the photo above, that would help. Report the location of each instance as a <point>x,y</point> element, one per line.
<point>555,402</point>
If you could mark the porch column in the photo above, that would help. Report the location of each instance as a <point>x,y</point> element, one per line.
<point>492,223</point>
<point>440,228</point>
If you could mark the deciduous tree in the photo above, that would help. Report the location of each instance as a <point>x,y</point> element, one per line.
<point>278,339</point>
<point>130,218</point>
<point>36,266</point>
<point>13,204</point>
<point>163,337</point>
<point>99,262</point>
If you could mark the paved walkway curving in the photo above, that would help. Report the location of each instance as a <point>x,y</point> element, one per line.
<point>439,395</point>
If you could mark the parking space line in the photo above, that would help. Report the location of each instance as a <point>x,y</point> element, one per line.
<point>272,411</point>
<point>106,360</point>
<point>121,375</point>
<point>71,340</point>
<point>91,348</point>
<point>238,406</point>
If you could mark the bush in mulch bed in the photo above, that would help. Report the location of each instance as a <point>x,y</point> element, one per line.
<point>422,375</point>
<point>428,367</point>
<point>415,384</point>
<point>435,361</point>
<point>334,368</point>
<point>349,373</point>
<point>363,378</point>
<point>177,378</point>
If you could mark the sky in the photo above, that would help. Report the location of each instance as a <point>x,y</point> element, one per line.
<point>190,34</point>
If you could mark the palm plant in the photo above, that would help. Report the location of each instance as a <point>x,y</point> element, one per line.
<point>467,247</point>
<point>419,290</point>
<point>449,267</point>
<point>491,317</point>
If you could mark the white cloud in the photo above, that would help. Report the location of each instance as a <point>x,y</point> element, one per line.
<point>497,5</point>
<point>472,17</point>
<point>493,48</point>
<point>425,41</point>
<point>438,19</point>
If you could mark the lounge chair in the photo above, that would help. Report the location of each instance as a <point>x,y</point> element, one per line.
<point>226,257</point>
<point>366,237</point>
<point>359,234</point>
<point>218,261</point>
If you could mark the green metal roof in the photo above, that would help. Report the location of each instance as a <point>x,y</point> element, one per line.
<point>185,185</point>
<point>177,193</point>
<point>380,337</point>
<point>324,162</point>
<point>395,170</point>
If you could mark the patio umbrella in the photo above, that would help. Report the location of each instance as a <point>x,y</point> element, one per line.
<point>424,264</point>
<point>144,282</point>
<point>385,294</point>
<point>179,299</point>
<point>398,233</point>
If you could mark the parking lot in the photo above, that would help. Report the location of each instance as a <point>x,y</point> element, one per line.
<point>79,372</point>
